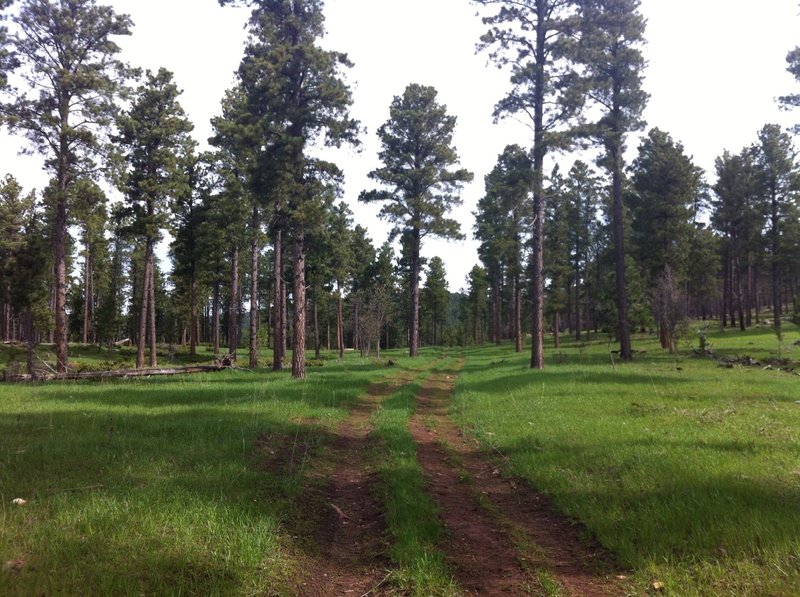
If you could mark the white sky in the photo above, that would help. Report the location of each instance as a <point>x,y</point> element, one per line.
<point>715,69</point>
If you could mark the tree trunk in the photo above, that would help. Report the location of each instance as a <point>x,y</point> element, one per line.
<point>216,309</point>
<point>539,151</point>
<point>357,343</point>
<point>625,350</point>
<point>757,297</point>
<point>194,324</point>
<point>775,266</point>
<point>254,291</point>
<point>578,306</point>
<point>497,318</point>
<point>517,314</point>
<point>87,292</point>
<point>413,344</point>
<point>142,339</point>
<point>339,323</point>
<point>233,317</point>
<point>299,311</point>
<point>317,342</point>
<point>740,295</point>
<point>60,241</point>
<point>151,306</point>
<point>60,265</point>
<point>277,353</point>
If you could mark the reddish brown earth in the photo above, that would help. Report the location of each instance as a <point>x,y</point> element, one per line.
<point>501,533</point>
<point>349,535</point>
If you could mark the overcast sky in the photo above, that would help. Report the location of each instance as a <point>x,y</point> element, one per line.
<point>714,70</point>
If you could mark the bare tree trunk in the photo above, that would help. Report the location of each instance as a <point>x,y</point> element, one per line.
<point>216,309</point>
<point>233,317</point>
<point>142,339</point>
<point>740,295</point>
<point>317,343</point>
<point>60,265</point>
<point>517,314</point>
<point>413,348</point>
<point>285,323</point>
<point>539,151</point>
<point>625,350</point>
<point>254,291</point>
<point>87,291</point>
<point>357,344</point>
<point>578,305</point>
<point>497,323</point>
<point>299,311</point>
<point>749,291</point>
<point>725,288</point>
<point>277,353</point>
<point>194,324</point>
<point>339,324</point>
<point>757,297</point>
<point>775,266</point>
<point>151,306</point>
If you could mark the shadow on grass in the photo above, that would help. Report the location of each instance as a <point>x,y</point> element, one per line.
<point>681,512</point>
<point>130,502</point>
<point>532,379</point>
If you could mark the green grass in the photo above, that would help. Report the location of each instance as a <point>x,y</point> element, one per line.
<point>153,486</point>
<point>688,472</point>
<point>412,516</point>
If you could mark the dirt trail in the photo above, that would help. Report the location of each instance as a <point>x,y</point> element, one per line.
<point>503,538</point>
<point>350,525</point>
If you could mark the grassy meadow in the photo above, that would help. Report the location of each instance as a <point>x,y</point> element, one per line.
<point>687,471</point>
<point>152,486</point>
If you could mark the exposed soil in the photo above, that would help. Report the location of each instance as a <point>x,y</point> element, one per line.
<point>339,510</point>
<point>502,534</point>
<point>502,537</point>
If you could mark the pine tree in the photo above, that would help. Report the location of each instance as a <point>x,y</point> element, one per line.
<point>154,139</point>
<point>558,269</point>
<point>90,211</point>
<point>666,185</point>
<point>435,297</point>
<point>418,160</point>
<point>612,33</point>
<point>503,215</point>
<point>582,189</point>
<point>535,39</point>
<point>475,305</point>
<point>15,211</point>
<point>779,181</point>
<point>68,60</point>
<point>296,91</point>
<point>793,99</point>
<point>737,214</point>
<point>8,60</point>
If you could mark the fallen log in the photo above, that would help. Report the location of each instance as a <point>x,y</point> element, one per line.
<point>123,373</point>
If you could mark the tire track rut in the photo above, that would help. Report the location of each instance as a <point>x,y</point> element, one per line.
<point>503,538</point>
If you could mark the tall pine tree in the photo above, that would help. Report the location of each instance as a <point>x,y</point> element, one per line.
<point>420,178</point>
<point>68,61</point>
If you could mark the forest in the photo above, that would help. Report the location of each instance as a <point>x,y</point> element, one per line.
<point>217,382</point>
<point>264,254</point>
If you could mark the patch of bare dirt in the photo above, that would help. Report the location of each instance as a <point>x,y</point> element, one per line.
<point>350,534</point>
<point>339,520</point>
<point>502,534</point>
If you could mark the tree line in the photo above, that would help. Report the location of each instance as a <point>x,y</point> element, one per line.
<point>263,250</point>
